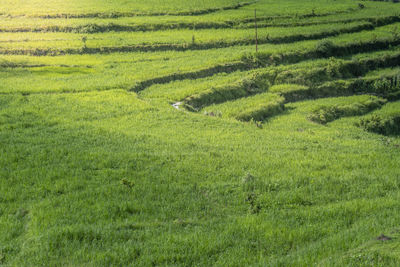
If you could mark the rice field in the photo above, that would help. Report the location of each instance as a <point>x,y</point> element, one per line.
<point>152,133</point>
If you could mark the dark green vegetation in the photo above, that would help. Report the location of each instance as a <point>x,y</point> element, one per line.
<point>150,133</point>
<point>325,114</point>
<point>386,126</point>
<point>385,121</point>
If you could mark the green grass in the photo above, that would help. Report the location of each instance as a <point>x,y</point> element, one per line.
<point>373,13</point>
<point>179,90</point>
<point>328,113</point>
<point>100,142</point>
<point>270,7</point>
<point>202,37</point>
<point>124,70</point>
<point>37,7</point>
<point>98,169</point>
<point>257,108</point>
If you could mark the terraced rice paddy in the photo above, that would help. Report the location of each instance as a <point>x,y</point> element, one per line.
<point>151,133</point>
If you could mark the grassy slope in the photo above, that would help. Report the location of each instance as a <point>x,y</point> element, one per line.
<point>107,177</point>
<point>93,177</point>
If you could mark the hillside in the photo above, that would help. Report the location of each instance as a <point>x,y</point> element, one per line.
<point>151,133</point>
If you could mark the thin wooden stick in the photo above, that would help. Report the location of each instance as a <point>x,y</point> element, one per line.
<point>255,26</point>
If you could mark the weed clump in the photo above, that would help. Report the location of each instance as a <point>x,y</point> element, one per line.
<point>21,213</point>
<point>255,207</point>
<point>90,28</point>
<point>325,48</point>
<point>250,185</point>
<point>127,183</point>
<point>248,181</point>
<point>334,68</point>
